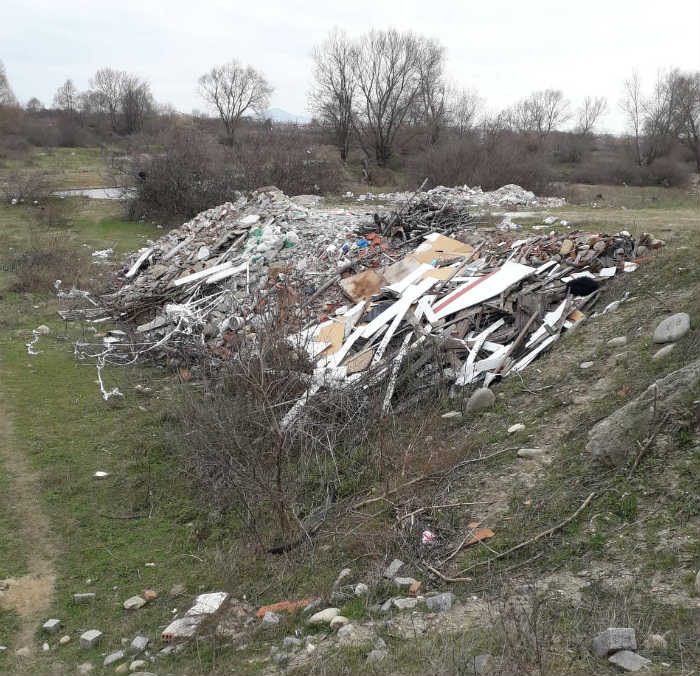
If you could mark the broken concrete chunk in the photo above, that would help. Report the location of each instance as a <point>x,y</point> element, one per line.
<point>271,619</point>
<point>613,639</point>
<point>138,644</point>
<point>114,657</point>
<point>628,660</point>
<point>393,568</point>
<point>361,589</point>
<point>90,639</point>
<point>405,604</point>
<point>376,656</point>
<point>83,598</point>
<point>441,602</point>
<point>51,626</point>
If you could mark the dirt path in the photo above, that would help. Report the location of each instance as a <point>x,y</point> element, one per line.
<point>30,594</point>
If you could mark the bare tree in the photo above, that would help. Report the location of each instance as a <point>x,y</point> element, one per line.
<point>66,97</point>
<point>688,112</point>
<point>632,106</point>
<point>136,103</point>
<point>660,120</point>
<point>335,87</point>
<point>464,108</point>
<point>589,114</point>
<point>433,89</point>
<point>387,65</point>
<point>7,96</point>
<point>540,113</point>
<point>233,90</point>
<point>34,105</point>
<point>107,85</point>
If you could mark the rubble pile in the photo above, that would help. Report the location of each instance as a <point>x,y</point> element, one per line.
<point>506,196</point>
<point>474,306</point>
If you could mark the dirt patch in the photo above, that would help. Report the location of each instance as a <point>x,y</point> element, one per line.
<point>30,594</point>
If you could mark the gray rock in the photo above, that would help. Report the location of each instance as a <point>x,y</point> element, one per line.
<point>341,576</point>
<point>628,660</point>
<point>90,639</point>
<point>271,619</point>
<point>440,602</point>
<point>376,656</point>
<point>361,589</point>
<point>697,582</point>
<point>313,605</point>
<point>611,439</point>
<point>480,399</point>
<point>393,568</point>
<point>166,651</point>
<point>137,665</point>
<point>404,582</point>
<point>451,414</point>
<point>134,603</point>
<point>324,616</point>
<point>586,364</point>
<point>387,605</point>
<point>51,626</point>
<point>379,643</point>
<point>482,664</point>
<point>534,454</point>
<point>346,631</point>
<point>114,657</point>
<point>85,668</point>
<point>138,644</point>
<point>338,621</point>
<point>280,658</point>
<point>405,604</point>
<point>672,328</point>
<point>290,642</point>
<point>84,598</point>
<point>613,639</point>
<point>25,651</point>
<point>664,351</point>
<point>620,341</point>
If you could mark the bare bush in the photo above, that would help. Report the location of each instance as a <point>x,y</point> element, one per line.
<point>25,186</point>
<point>7,96</point>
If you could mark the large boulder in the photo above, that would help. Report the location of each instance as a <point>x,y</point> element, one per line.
<point>672,328</point>
<point>613,439</point>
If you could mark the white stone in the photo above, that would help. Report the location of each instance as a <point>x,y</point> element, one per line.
<point>51,626</point>
<point>45,647</point>
<point>628,660</point>
<point>619,341</point>
<point>672,328</point>
<point>664,351</point>
<point>324,616</point>
<point>90,639</point>
<point>134,603</point>
<point>43,330</point>
<point>64,639</point>
<point>361,589</point>
<point>138,645</point>
<point>393,568</point>
<point>518,427</point>
<point>138,665</point>
<point>402,582</point>
<point>203,253</point>
<point>451,414</point>
<point>480,399</point>
<point>405,604</point>
<point>338,621</point>
<point>586,364</point>
<point>114,657</point>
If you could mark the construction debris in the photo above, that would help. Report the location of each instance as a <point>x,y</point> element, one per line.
<point>361,295</point>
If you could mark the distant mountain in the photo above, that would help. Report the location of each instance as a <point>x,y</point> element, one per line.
<point>279,115</point>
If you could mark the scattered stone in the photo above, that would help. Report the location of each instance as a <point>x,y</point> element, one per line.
<point>405,604</point>
<point>23,652</point>
<point>664,351</point>
<point>139,644</point>
<point>538,454</point>
<point>166,651</point>
<point>64,639</point>
<point>482,664</point>
<point>628,660</point>
<point>178,589</point>
<point>614,639</point>
<point>656,642</point>
<point>4,585</point>
<point>346,631</point>
<point>361,589</point>
<point>324,616</point>
<point>90,639</point>
<point>3,648</point>
<point>51,626</point>
<point>122,668</point>
<point>697,582</point>
<point>611,439</point>
<point>137,665</point>
<point>114,657</point>
<point>43,330</point>
<point>518,427</point>
<point>85,668</point>
<point>379,643</point>
<point>393,568</point>
<point>280,659</point>
<point>134,603</point>
<point>620,341</point>
<point>150,595</point>
<point>586,364</point>
<point>451,414</point>
<point>386,606</point>
<point>339,621</point>
<point>341,576</point>
<point>290,642</point>
<point>480,399</point>
<point>376,656</point>
<point>84,598</point>
<point>312,605</point>
<point>566,246</point>
<point>672,328</point>
<point>440,602</point>
<point>271,619</point>
<point>45,647</point>
<point>404,582</point>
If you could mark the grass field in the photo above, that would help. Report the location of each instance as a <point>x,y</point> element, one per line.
<point>69,532</point>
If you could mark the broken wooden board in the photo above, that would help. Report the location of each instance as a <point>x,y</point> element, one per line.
<point>359,362</point>
<point>363,285</point>
<point>332,332</point>
<point>481,534</point>
<point>439,248</point>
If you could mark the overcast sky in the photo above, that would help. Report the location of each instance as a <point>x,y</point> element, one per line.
<point>504,49</point>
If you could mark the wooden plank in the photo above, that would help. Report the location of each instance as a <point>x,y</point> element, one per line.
<point>440,248</point>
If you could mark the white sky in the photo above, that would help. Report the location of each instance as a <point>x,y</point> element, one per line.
<point>504,49</point>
